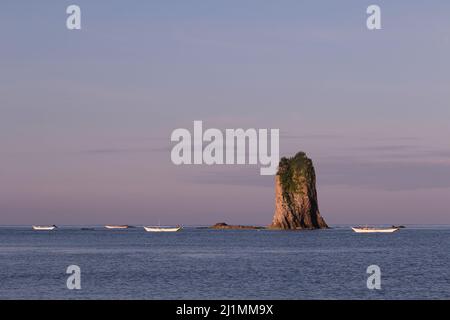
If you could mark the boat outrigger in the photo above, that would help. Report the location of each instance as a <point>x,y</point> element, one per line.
<point>373,230</point>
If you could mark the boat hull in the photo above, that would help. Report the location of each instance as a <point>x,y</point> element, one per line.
<point>159,229</point>
<point>116,227</point>
<point>374,230</point>
<point>44,228</point>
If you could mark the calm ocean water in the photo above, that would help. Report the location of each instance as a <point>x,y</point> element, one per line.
<point>210,264</point>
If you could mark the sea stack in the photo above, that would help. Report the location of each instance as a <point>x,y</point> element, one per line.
<point>296,205</point>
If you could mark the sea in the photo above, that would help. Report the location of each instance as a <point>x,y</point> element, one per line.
<point>199,263</point>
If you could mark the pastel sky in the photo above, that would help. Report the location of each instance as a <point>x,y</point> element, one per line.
<point>86,116</point>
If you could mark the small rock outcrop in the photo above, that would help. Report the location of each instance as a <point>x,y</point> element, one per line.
<point>296,205</point>
<point>224,226</point>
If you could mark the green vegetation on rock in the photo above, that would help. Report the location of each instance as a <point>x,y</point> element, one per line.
<point>292,171</point>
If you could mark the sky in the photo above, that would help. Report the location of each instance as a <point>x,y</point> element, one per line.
<point>86,115</point>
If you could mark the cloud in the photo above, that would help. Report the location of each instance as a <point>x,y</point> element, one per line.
<point>125,150</point>
<point>249,176</point>
<point>386,175</point>
<point>382,175</point>
<point>310,136</point>
<point>388,148</point>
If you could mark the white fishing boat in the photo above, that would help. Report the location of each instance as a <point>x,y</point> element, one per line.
<point>44,228</point>
<point>163,229</point>
<point>373,230</point>
<point>116,227</point>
